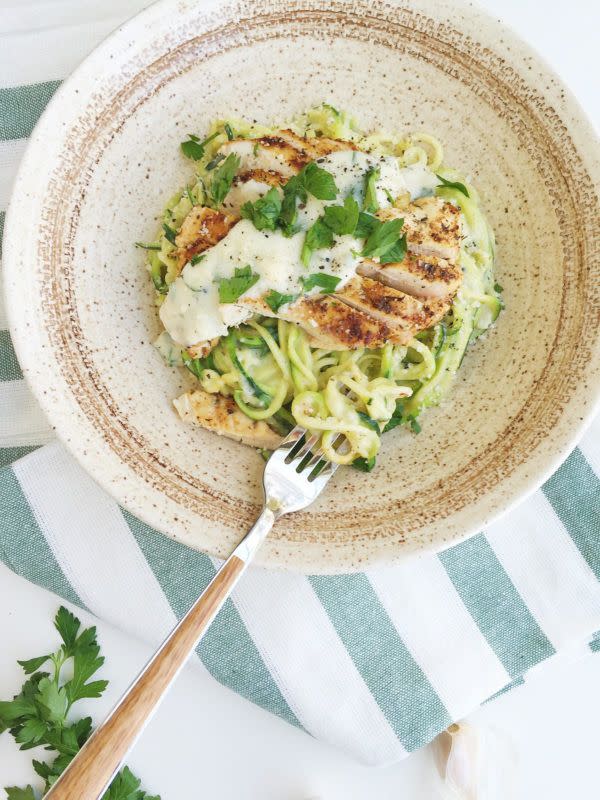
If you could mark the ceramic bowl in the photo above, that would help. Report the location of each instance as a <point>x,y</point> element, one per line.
<point>104,159</point>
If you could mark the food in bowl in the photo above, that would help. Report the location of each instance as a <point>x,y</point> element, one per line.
<point>314,274</point>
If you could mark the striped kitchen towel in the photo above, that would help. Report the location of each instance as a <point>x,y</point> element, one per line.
<point>377,663</point>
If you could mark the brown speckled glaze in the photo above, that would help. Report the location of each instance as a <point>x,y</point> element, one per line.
<point>105,158</point>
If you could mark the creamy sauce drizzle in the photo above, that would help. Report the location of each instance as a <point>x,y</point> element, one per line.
<point>191,312</point>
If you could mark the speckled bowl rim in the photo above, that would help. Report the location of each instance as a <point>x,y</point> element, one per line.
<point>101,463</point>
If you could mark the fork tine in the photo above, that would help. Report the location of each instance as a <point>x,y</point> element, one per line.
<point>306,447</point>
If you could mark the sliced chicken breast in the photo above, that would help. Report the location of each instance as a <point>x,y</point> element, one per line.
<point>284,153</point>
<point>397,309</point>
<point>432,227</point>
<point>249,186</point>
<point>271,153</point>
<point>330,323</point>
<point>420,276</point>
<point>219,413</point>
<point>202,228</point>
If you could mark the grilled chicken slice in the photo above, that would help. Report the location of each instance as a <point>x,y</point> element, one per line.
<point>420,276</point>
<point>284,153</point>
<point>432,227</point>
<point>219,413</point>
<point>249,186</point>
<point>202,228</point>
<point>329,323</point>
<point>271,153</point>
<point>398,310</point>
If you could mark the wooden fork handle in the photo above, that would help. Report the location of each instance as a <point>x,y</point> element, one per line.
<point>95,765</point>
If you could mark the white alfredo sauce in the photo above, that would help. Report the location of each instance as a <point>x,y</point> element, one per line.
<point>191,312</point>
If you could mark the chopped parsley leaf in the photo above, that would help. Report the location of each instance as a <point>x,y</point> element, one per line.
<point>414,426</point>
<point>317,237</point>
<point>318,182</point>
<point>325,282</point>
<point>170,234</point>
<point>230,289</point>
<point>148,245</point>
<point>215,161</point>
<point>366,225</point>
<point>453,185</point>
<point>342,219</point>
<point>383,237</point>
<point>193,148</point>
<point>370,204</point>
<point>364,464</point>
<point>369,421</point>
<point>197,259</point>
<point>265,211</point>
<point>396,253</point>
<point>229,131</point>
<point>223,178</point>
<point>275,300</point>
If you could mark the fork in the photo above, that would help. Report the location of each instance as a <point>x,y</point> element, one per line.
<point>295,475</point>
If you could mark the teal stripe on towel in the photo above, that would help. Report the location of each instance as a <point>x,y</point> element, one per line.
<point>395,680</point>
<point>496,606</point>
<point>574,493</point>
<point>21,107</point>
<point>24,548</point>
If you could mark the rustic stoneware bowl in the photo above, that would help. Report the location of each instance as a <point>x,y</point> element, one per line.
<point>105,157</point>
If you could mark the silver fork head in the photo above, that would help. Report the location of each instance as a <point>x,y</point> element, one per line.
<point>296,473</point>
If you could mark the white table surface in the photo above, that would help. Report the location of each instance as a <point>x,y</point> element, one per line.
<point>206,742</point>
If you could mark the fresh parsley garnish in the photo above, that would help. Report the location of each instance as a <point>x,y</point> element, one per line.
<point>170,234</point>
<point>230,289</point>
<point>369,421</point>
<point>148,245</point>
<point>370,204</point>
<point>40,714</point>
<point>311,179</point>
<point>229,131</point>
<point>197,365</point>
<point>292,191</point>
<point>338,220</point>
<point>498,288</point>
<point>197,259</point>
<point>366,225</point>
<point>364,464</point>
<point>414,426</point>
<point>319,235</point>
<point>325,282</point>
<point>318,182</point>
<point>397,417</point>
<point>194,148</point>
<point>215,161</point>
<point>275,300</point>
<point>265,211</point>
<point>396,252</point>
<point>223,178</point>
<point>382,238</point>
<point>453,185</point>
<point>342,219</point>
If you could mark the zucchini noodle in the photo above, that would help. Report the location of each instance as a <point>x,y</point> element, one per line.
<point>270,368</point>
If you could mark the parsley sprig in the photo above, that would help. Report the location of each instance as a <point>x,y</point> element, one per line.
<point>276,211</point>
<point>194,148</point>
<point>39,714</point>
<point>223,178</point>
<point>231,289</point>
<point>453,185</point>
